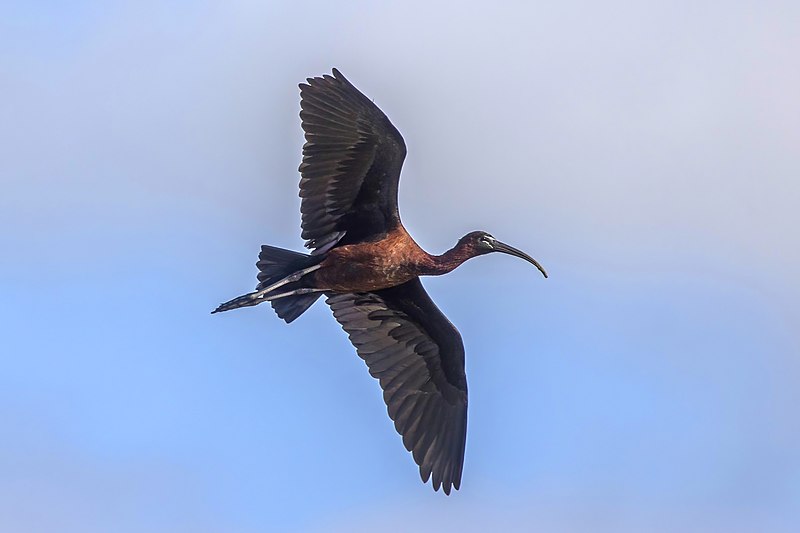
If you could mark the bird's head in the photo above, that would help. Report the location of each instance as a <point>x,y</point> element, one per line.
<point>480,243</point>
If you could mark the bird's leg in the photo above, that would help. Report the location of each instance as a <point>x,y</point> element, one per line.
<point>255,298</point>
<point>295,292</point>
<point>246,300</point>
<point>258,295</point>
<point>241,301</point>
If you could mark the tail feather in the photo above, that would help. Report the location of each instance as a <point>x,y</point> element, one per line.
<point>275,264</point>
<point>293,306</point>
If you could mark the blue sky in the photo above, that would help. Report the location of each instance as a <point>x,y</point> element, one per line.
<point>645,153</point>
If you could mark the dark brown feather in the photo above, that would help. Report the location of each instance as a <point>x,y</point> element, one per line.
<point>418,357</point>
<point>351,165</point>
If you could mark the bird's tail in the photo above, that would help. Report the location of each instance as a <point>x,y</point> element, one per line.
<point>275,264</point>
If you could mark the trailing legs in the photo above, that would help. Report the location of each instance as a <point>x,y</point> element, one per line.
<point>257,297</point>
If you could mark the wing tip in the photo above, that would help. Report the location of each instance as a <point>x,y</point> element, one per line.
<point>448,480</point>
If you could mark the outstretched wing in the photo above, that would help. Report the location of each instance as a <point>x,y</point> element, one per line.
<point>418,356</point>
<point>351,165</point>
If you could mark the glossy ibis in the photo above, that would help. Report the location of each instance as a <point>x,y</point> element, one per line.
<point>368,267</point>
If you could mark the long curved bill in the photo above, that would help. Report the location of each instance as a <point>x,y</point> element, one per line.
<point>510,250</point>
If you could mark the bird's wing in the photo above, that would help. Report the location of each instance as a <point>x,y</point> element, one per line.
<point>351,165</point>
<point>418,356</point>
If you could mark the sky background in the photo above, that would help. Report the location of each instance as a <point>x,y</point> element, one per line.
<point>646,153</point>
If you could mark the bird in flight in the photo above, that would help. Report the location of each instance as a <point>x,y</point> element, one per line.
<point>368,267</point>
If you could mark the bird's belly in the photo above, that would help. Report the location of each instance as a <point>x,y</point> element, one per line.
<point>357,276</point>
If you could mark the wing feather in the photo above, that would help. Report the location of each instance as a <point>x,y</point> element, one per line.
<point>351,165</point>
<point>418,357</point>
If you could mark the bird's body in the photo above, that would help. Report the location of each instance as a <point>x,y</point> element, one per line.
<point>368,266</point>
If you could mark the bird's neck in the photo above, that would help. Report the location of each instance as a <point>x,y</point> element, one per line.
<point>450,260</point>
